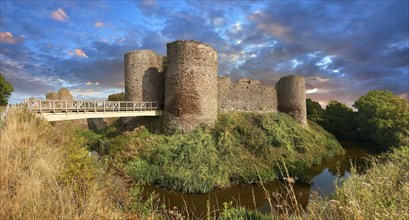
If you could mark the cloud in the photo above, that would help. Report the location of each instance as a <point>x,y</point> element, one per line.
<point>89,83</point>
<point>84,92</point>
<point>404,96</point>
<point>149,2</point>
<point>341,57</point>
<point>78,52</point>
<point>309,91</point>
<point>59,15</point>
<point>99,24</point>
<point>8,37</point>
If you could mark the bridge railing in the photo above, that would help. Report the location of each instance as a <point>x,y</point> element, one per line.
<point>67,106</point>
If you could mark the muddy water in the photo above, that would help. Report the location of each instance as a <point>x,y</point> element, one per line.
<point>254,196</point>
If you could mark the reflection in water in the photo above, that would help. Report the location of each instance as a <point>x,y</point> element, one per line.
<point>254,196</point>
<point>250,196</point>
<point>323,176</point>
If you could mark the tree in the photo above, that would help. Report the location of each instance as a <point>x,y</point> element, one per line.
<point>339,120</point>
<point>384,117</point>
<point>5,90</point>
<point>117,97</point>
<point>64,94</point>
<point>314,111</point>
<point>51,96</point>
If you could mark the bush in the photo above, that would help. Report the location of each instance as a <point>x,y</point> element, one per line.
<point>233,213</point>
<point>241,147</point>
<point>384,117</point>
<point>117,97</point>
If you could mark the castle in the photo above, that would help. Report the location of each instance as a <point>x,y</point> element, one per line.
<point>186,86</point>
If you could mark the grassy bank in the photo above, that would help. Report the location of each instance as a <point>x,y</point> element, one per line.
<point>240,148</point>
<point>47,174</point>
<point>381,193</point>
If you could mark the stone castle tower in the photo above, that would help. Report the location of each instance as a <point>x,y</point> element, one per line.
<point>186,86</point>
<point>190,81</point>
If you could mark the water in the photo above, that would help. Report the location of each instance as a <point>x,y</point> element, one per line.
<point>254,196</point>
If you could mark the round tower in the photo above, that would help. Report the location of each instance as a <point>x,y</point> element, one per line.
<point>144,76</point>
<point>190,85</point>
<point>144,81</point>
<point>291,98</point>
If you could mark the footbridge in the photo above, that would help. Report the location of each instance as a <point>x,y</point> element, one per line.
<point>60,110</point>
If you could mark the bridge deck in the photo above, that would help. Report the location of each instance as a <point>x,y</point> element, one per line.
<point>58,110</point>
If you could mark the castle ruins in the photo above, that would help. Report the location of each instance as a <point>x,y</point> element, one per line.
<point>186,85</point>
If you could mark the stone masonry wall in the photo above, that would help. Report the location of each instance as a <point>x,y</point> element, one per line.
<point>186,87</point>
<point>144,81</point>
<point>291,97</point>
<point>144,76</point>
<point>191,85</point>
<point>245,95</point>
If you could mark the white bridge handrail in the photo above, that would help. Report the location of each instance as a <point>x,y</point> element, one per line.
<point>77,106</point>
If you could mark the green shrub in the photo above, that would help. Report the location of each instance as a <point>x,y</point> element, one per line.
<point>241,147</point>
<point>240,213</point>
<point>384,117</point>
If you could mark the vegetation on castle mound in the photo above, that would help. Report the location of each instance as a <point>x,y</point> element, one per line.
<point>240,148</point>
<point>47,172</point>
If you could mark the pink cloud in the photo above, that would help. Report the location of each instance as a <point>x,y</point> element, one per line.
<point>8,37</point>
<point>99,24</point>
<point>78,52</point>
<point>59,15</point>
<point>404,96</point>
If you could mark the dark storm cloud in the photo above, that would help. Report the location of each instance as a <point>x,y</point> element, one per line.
<point>343,49</point>
<point>358,41</point>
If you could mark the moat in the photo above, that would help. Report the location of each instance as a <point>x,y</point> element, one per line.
<point>253,196</point>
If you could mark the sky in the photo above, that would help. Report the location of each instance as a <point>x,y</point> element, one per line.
<point>342,48</point>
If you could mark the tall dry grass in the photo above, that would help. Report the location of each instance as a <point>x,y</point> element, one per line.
<point>381,193</point>
<point>33,172</point>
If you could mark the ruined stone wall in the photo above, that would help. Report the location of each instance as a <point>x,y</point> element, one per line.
<point>291,97</point>
<point>144,81</point>
<point>186,85</point>
<point>245,95</point>
<point>144,76</point>
<point>191,85</point>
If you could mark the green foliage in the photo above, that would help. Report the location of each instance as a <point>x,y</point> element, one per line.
<point>384,117</point>
<point>51,96</point>
<point>339,120</point>
<point>241,147</point>
<point>117,97</point>
<point>5,90</point>
<point>314,111</point>
<point>240,213</point>
<point>188,162</point>
<point>98,140</point>
<point>79,172</point>
<point>144,207</point>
